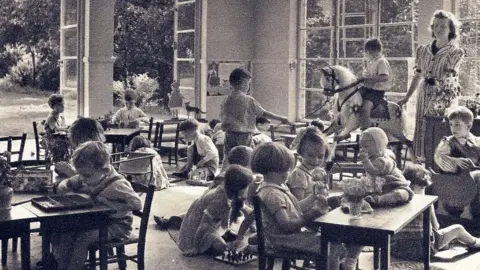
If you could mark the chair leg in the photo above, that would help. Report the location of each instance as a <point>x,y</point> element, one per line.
<point>170,157</point>
<point>270,263</point>
<point>14,244</point>
<point>141,257</point>
<point>111,252</point>
<point>92,260</point>
<point>4,251</point>
<point>286,264</point>
<point>122,264</point>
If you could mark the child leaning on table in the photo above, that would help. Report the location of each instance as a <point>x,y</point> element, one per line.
<point>98,179</point>
<point>380,166</point>
<point>284,215</point>
<point>130,115</point>
<point>408,243</point>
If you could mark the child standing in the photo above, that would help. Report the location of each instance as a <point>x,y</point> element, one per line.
<point>377,79</point>
<point>381,168</point>
<point>210,216</point>
<point>283,215</point>
<point>202,153</point>
<point>97,178</point>
<point>55,121</point>
<point>175,102</point>
<point>130,115</point>
<point>313,149</point>
<point>140,144</point>
<point>239,112</point>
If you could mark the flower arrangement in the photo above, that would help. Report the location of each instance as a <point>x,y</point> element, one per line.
<point>446,91</point>
<point>354,189</point>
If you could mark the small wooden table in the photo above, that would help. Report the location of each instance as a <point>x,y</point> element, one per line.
<point>16,223</point>
<point>376,229</point>
<point>121,136</point>
<point>73,220</point>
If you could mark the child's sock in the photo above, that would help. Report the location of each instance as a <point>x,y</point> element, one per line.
<point>476,244</point>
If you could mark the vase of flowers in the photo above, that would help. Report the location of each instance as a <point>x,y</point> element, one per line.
<point>6,191</point>
<point>354,190</point>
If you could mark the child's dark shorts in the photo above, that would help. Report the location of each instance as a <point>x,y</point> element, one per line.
<point>374,96</point>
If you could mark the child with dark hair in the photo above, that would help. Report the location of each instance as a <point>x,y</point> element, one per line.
<point>130,115</point>
<point>55,121</point>
<point>376,79</point>
<point>55,141</point>
<point>210,216</point>
<point>259,136</point>
<point>239,112</point>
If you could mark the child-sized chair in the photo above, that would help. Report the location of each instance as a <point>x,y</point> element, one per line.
<point>120,257</point>
<point>135,165</point>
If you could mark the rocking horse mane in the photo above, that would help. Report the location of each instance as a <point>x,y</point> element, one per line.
<point>344,74</point>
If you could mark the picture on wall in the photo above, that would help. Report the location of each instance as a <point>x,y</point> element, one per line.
<point>218,76</point>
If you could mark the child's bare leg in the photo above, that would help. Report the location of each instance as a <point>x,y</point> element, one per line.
<point>189,164</point>
<point>80,251</point>
<point>458,232</point>
<point>353,251</point>
<point>365,121</point>
<point>393,197</point>
<point>336,250</point>
<point>62,246</point>
<point>219,245</point>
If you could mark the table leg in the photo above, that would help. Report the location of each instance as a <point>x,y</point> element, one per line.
<point>376,258</point>
<point>102,249</point>
<point>45,242</point>
<point>324,252</point>
<point>25,247</point>
<point>385,254</point>
<point>426,238</point>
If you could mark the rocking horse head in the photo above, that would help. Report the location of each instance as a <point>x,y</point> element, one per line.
<point>334,78</point>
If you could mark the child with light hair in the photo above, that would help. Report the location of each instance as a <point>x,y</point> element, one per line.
<point>99,180</point>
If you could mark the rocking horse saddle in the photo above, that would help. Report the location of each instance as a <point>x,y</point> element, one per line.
<point>380,111</point>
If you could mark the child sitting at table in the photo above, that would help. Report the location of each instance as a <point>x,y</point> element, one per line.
<point>259,136</point>
<point>201,153</point>
<point>408,243</point>
<point>130,115</point>
<point>98,179</point>
<point>284,215</point>
<point>381,168</point>
<point>140,144</point>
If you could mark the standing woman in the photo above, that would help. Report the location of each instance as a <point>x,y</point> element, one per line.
<point>434,62</point>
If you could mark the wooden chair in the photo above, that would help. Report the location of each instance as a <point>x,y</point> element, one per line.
<point>39,150</point>
<point>120,257</point>
<point>266,257</point>
<point>11,140</point>
<point>134,165</point>
<point>149,132</point>
<point>167,137</point>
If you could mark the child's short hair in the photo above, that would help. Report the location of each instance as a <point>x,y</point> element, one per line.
<point>238,76</point>
<point>55,99</point>
<point>237,178</point>
<point>461,113</point>
<point>417,175</point>
<point>91,153</point>
<point>319,124</point>
<point>272,157</point>
<point>130,95</point>
<point>313,134</point>
<point>85,129</point>
<point>138,142</point>
<point>240,155</point>
<point>188,124</point>
<point>212,123</point>
<point>262,120</point>
<point>373,45</point>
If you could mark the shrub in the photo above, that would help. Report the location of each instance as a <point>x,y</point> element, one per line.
<point>118,90</point>
<point>145,87</point>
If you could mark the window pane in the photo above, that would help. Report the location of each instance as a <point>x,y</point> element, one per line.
<point>470,76</point>
<point>400,75</point>
<point>469,8</point>
<point>312,79</point>
<point>319,13</point>
<point>70,36</point>
<point>469,38</point>
<point>70,73</point>
<point>186,73</point>
<point>351,49</point>
<point>318,43</point>
<point>317,105</point>
<point>354,6</point>
<point>70,12</point>
<point>356,66</point>
<point>186,16</point>
<point>397,11</point>
<point>397,41</point>
<point>186,45</point>
<point>355,20</point>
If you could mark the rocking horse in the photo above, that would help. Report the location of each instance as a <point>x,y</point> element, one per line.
<point>340,82</point>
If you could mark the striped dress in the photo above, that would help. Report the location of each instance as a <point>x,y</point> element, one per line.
<point>438,65</point>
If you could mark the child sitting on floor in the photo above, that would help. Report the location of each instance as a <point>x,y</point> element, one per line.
<point>259,136</point>
<point>381,168</point>
<point>140,144</point>
<point>284,215</point>
<point>408,243</point>
<point>98,179</point>
<point>201,153</point>
<point>130,115</point>
<point>315,123</point>
<point>210,216</point>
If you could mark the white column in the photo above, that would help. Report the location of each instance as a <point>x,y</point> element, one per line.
<point>98,60</point>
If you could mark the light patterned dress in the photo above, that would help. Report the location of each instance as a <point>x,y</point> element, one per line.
<point>438,65</point>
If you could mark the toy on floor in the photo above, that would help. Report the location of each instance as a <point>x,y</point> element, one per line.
<point>236,258</point>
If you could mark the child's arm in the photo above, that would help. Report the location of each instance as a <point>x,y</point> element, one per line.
<point>121,191</point>
<point>446,162</point>
<point>246,223</point>
<point>297,183</point>
<point>71,184</point>
<point>378,167</point>
<point>289,224</point>
<point>142,116</point>
<point>374,79</point>
<point>210,149</point>
<point>273,116</point>
<point>117,116</point>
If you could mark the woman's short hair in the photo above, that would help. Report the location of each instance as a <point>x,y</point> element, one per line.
<point>314,135</point>
<point>54,99</point>
<point>461,113</point>
<point>95,154</point>
<point>85,129</point>
<point>453,24</point>
<point>241,155</point>
<point>138,142</point>
<point>272,157</point>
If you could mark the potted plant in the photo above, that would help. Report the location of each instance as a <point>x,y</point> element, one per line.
<point>6,191</point>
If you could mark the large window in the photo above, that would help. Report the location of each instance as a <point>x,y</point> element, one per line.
<point>334,31</point>
<point>184,42</point>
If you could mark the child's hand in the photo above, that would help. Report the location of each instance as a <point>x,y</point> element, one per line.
<point>465,163</point>
<point>370,199</point>
<point>201,163</point>
<point>363,155</point>
<point>62,188</point>
<point>175,85</point>
<point>237,245</point>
